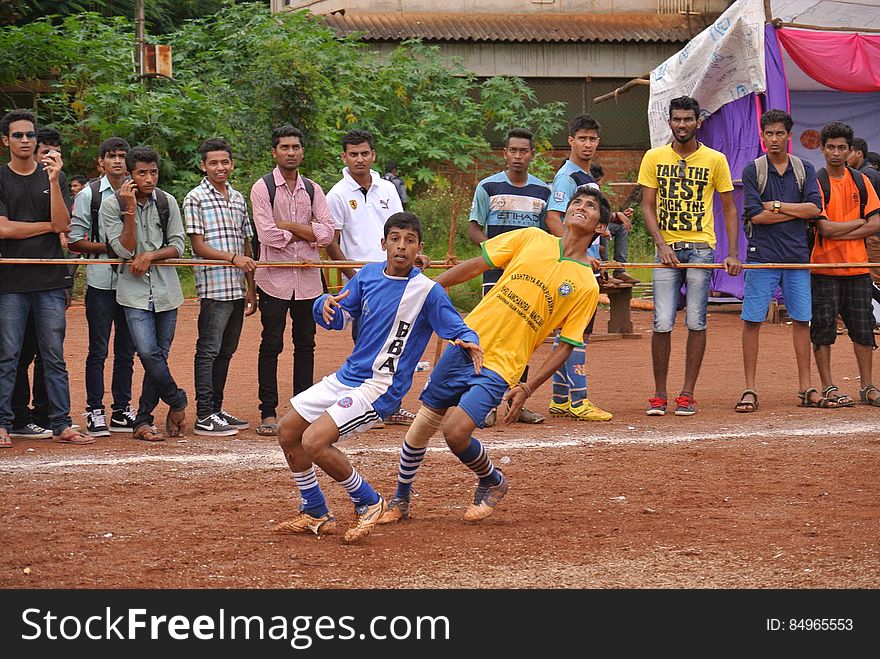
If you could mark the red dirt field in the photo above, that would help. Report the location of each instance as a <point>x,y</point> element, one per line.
<point>782,498</point>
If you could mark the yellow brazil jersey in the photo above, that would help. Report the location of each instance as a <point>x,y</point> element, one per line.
<point>540,291</point>
<point>685,191</point>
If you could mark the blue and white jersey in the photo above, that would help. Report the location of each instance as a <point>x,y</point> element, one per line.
<point>500,206</point>
<point>568,179</point>
<point>398,315</point>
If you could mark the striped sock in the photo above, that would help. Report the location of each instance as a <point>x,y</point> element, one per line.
<point>359,490</point>
<point>313,502</point>
<point>560,381</point>
<point>478,461</point>
<point>410,460</point>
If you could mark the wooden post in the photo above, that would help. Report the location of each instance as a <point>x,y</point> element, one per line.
<point>139,37</point>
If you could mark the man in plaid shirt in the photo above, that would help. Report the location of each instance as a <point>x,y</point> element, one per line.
<point>219,228</point>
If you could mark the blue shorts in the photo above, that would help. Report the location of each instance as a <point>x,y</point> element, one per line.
<point>761,283</point>
<point>667,288</point>
<point>453,382</point>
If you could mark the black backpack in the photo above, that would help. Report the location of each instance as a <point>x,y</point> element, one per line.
<point>269,180</point>
<point>825,185</point>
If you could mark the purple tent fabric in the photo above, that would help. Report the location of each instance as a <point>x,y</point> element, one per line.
<point>735,131</point>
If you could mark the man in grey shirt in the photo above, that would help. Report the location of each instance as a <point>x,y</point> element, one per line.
<point>143,224</point>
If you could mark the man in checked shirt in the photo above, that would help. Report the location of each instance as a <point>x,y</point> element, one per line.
<point>218,226</point>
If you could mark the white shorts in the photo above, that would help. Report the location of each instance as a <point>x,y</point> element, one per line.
<point>349,408</point>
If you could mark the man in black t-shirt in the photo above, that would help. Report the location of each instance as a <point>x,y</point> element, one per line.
<point>34,211</point>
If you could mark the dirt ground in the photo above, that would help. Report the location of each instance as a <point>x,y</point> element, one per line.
<point>782,498</point>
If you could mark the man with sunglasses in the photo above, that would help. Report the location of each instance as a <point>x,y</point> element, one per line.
<point>678,181</point>
<point>33,213</point>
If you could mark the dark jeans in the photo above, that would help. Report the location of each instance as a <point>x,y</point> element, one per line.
<point>621,245</point>
<point>220,324</point>
<point>102,312</point>
<point>21,393</point>
<point>51,325</point>
<point>153,332</point>
<point>273,315</point>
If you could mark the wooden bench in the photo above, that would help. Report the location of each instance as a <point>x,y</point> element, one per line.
<point>620,319</point>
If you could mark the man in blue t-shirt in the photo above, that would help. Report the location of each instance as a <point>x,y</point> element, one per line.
<point>509,200</point>
<point>776,225</point>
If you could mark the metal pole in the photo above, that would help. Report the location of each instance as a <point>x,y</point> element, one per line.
<point>139,36</point>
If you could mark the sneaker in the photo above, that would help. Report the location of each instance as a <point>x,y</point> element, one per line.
<point>401,417</point>
<point>96,423</point>
<point>234,421</point>
<point>527,416</point>
<point>656,406</point>
<point>560,409</point>
<point>685,405</point>
<point>398,510</point>
<point>367,518</point>
<point>485,500</point>
<point>305,523</point>
<point>628,278</point>
<point>586,411</point>
<point>122,420</point>
<point>215,426</point>
<point>31,431</point>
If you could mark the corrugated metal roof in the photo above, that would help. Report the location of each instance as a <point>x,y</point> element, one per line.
<point>546,27</point>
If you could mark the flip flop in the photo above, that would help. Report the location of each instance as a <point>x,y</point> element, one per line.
<point>71,436</point>
<point>267,429</point>
<point>5,440</point>
<point>147,433</point>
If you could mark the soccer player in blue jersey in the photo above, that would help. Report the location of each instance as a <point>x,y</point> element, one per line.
<point>399,308</point>
<point>509,200</point>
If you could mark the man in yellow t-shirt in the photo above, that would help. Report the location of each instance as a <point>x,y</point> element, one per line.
<point>678,181</point>
<point>545,286</point>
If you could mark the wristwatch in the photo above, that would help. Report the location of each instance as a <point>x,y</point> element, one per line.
<point>776,206</point>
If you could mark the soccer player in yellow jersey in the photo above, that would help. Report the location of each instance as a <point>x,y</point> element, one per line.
<point>678,181</point>
<point>545,286</point>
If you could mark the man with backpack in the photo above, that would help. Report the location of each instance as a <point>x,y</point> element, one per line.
<point>103,312</point>
<point>292,222</point>
<point>851,214</point>
<point>142,224</point>
<point>780,196</point>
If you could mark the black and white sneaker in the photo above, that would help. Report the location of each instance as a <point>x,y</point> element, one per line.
<point>122,420</point>
<point>215,426</point>
<point>96,423</point>
<point>234,421</point>
<point>31,431</point>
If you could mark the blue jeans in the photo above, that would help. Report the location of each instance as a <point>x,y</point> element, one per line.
<point>667,288</point>
<point>21,394</point>
<point>621,244</point>
<point>153,332</point>
<point>220,324</point>
<point>102,312</point>
<point>48,308</point>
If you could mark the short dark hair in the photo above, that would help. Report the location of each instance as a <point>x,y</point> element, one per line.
<point>859,144</point>
<point>836,129</point>
<point>403,220</point>
<point>16,115</point>
<point>685,103</point>
<point>140,154</point>
<point>873,158</point>
<point>519,133</point>
<point>286,130</point>
<point>79,178</point>
<point>357,136</point>
<point>583,122</point>
<point>597,171</point>
<point>214,144</point>
<point>113,144</point>
<point>591,191</point>
<point>777,117</point>
<point>390,166</point>
<point>49,135</point>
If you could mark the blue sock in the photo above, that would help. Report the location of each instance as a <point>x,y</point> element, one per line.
<point>410,460</point>
<point>477,460</point>
<point>359,490</point>
<point>313,502</point>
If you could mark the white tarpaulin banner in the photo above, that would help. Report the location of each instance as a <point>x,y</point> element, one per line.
<point>722,63</point>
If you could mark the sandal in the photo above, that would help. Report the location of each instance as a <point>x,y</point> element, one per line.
<point>5,439</point>
<point>148,433</point>
<point>807,400</point>
<point>747,405</point>
<point>832,395</point>
<point>71,436</point>
<point>267,429</point>
<point>175,422</point>
<point>863,396</point>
